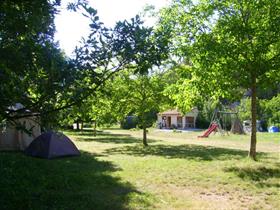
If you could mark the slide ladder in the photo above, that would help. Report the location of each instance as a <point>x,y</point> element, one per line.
<point>213,127</point>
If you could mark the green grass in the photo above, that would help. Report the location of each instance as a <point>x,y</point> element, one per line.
<point>176,171</point>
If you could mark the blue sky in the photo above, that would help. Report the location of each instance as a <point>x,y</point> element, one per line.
<point>72,26</point>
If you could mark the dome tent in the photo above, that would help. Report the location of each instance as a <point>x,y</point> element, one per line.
<point>51,145</point>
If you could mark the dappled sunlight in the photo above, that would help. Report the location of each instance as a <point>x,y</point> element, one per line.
<point>116,172</point>
<point>261,176</point>
<point>180,151</point>
<point>107,137</point>
<point>267,142</point>
<point>111,140</point>
<point>189,102</point>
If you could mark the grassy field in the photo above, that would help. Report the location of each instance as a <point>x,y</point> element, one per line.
<point>176,171</point>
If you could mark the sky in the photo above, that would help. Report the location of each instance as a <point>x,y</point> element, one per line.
<point>71,26</point>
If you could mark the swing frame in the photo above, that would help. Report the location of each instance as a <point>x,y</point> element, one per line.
<point>220,116</point>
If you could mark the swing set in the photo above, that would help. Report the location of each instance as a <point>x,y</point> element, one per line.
<point>219,123</point>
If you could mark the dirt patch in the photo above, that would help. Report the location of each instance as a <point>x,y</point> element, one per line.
<point>190,197</point>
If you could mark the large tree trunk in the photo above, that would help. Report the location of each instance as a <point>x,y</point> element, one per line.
<point>145,136</point>
<point>253,144</point>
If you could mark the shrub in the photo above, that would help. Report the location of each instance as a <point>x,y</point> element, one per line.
<point>129,122</point>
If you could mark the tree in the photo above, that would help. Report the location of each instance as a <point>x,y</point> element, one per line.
<point>35,73</point>
<point>32,68</point>
<point>139,94</point>
<point>231,45</point>
<point>106,51</point>
<point>95,110</point>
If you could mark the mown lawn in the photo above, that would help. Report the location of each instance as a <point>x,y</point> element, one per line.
<point>176,171</point>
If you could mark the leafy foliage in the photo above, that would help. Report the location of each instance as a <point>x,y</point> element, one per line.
<point>140,95</point>
<point>230,45</point>
<point>272,111</point>
<point>43,80</point>
<point>32,68</point>
<point>224,42</point>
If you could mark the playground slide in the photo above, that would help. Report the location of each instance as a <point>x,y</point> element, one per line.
<point>212,128</point>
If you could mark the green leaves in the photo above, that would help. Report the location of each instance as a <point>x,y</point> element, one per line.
<point>31,67</point>
<point>230,45</point>
<point>137,94</point>
<point>224,42</point>
<point>35,73</point>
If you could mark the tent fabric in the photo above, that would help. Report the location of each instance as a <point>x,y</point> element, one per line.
<point>52,145</point>
<point>237,127</point>
<point>12,139</point>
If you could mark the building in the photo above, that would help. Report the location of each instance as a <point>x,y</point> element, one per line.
<point>171,119</point>
<point>13,136</point>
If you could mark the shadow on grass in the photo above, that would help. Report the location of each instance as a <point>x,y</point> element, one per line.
<point>196,152</point>
<point>261,176</point>
<point>104,133</point>
<point>69,183</point>
<point>91,133</point>
<point>112,128</point>
<point>106,137</point>
<point>114,140</point>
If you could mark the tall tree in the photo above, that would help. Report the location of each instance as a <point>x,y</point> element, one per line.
<point>35,73</point>
<point>107,51</point>
<point>229,44</point>
<point>139,94</point>
<point>95,109</point>
<point>32,68</point>
<point>142,93</point>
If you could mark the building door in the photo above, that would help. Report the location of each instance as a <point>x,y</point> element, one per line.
<point>169,122</point>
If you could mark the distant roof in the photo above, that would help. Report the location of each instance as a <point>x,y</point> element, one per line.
<point>175,112</point>
<point>171,112</point>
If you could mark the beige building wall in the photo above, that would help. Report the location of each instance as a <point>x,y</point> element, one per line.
<point>173,114</point>
<point>13,139</point>
<point>173,120</point>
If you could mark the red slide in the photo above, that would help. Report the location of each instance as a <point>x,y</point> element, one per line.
<point>212,128</point>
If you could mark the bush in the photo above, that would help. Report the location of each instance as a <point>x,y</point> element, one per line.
<point>272,110</point>
<point>268,111</point>
<point>173,126</point>
<point>202,122</point>
<point>129,122</point>
<point>206,113</point>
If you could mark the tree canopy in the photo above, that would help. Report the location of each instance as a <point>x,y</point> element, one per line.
<point>42,78</point>
<point>32,68</point>
<point>230,46</point>
<point>140,95</point>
